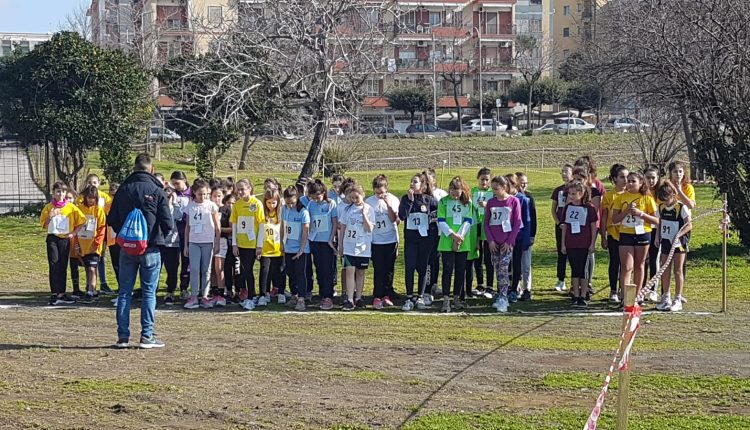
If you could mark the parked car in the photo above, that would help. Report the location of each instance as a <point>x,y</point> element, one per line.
<point>380,130</point>
<point>426,128</point>
<point>623,124</point>
<point>161,134</point>
<point>487,125</point>
<point>546,128</point>
<point>335,131</point>
<point>266,131</point>
<point>573,124</point>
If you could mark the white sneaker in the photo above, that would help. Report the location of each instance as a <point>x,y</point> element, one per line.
<point>281,298</point>
<point>681,298</point>
<point>614,298</point>
<point>408,306</point>
<point>665,303</point>
<point>676,305</point>
<point>495,302</point>
<point>653,296</point>
<point>427,298</point>
<point>248,305</point>
<point>421,304</point>
<point>560,286</point>
<point>502,304</point>
<point>262,301</point>
<point>335,293</point>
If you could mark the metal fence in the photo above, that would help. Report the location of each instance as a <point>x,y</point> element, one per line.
<point>18,189</point>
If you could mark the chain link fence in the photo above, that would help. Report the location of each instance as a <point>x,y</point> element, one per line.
<point>18,189</point>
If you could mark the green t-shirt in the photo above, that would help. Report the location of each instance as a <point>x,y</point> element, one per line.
<point>454,213</point>
<point>478,196</point>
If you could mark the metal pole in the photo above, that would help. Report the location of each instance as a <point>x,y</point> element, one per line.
<point>724,234</point>
<point>542,158</point>
<point>481,97</point>
<point>434,84</point>
<point>623,381</point>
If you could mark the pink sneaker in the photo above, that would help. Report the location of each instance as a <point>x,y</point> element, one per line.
<point>274,292</point>
<point>243,294</point>
<point>326,304</point>
<point>387,301</point>
<point>192,303</point>
<point>219,301</point>
<point>377,304</point>
<point>206,304</point>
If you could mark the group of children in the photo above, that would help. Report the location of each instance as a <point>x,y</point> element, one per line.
<point>487,232</point>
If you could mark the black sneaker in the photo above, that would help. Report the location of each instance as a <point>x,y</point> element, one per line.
<point>577,302</point>
<point>88,298</point>
<point>122,343</point>
<point>169,300</point>
<point>150,343</point>
<point>348,306</point>
<point>105,290</point>
<point>582,303</point>
<point>588,296</point>
<point>76,294</point>
<point>359,304</point>
<point>525,296</point>
<point>61,300</point>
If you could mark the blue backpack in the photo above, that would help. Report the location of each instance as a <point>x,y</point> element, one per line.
<point>133,236</point>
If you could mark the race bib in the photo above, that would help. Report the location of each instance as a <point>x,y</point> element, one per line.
<point>576,214</point>
<point>457,212</point>
<point>669,230</point>
<point>417,221</point>
<point>101,202</point>
<point>635,223</point>
<point>293,231</point>
<point>246,225</point>
<point>383,224</point>
<point>320,224</point>
<point>575,227</point>
<point>501,216</point>
<point>480,197</point>
<point>273,232</point>
<point>59,225</point>
<point>354,239</point>
<point>560,199</point>
<point>87,232</point>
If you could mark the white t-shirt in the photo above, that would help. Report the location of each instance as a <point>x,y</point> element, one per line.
<point>201,221</point>
<point>439,194</point>
<point>357,241</point>
<point>384,231</point>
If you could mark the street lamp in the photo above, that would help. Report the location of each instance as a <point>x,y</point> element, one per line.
<point>481,96</point>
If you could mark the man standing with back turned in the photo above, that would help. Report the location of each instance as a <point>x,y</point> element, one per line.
<point>143,191</point>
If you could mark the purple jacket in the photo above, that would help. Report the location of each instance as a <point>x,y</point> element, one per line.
<point>495,232</point>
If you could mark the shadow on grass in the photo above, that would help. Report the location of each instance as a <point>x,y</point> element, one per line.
<point>19,347</point>
<point>712,252</point>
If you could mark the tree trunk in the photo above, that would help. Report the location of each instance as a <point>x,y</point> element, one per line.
<point>246,144</point>
<point>694,169</point>
<point>458,109</point>
<point>528,114</point>
<point>412,116</point>
<point>316,147</point>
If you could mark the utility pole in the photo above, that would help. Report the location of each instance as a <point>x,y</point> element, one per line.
<point>481,96</point>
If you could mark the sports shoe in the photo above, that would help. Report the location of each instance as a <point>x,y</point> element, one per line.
<point>76,294</point>
<point>427,299</point>
<point>105,290</point>
<point>487,294</point>
<point>150,343</point>
<point>387,302</point>
<point>263,301</point>
<point>359,303</point>
<point>169,300</point>
<point>219,301</point>
<point>377,304</point>
<point>281,299</point>
<point>560,286</point>
<point>588,296</point>
<point>236,298</point>
<point>243,294</point>
<point>184,295</point>
<point>205,303</point>
<point>88,297</point>
<point>512,296</point>
<point>325,305</point>
<point>348,306</point>
<point>681,298</point>
<point>274,292</point>
<point>61,300</point>
<point>614,298</point>
<point>192,303</point>
<point>446,305</point>
<point>581,303</point>
<point>248,305</point>
<point>676,305</point>
<point>653,296</point>
<point>502,304</point>
<point>300,306</point>
<point>458,304</point>
<point>308,296</point>
<point>122,343</point>
<point>525,296</point>
<point>421,304</point>
<point>335,293</point>
<point>665,303</point>
<point>408,305</point>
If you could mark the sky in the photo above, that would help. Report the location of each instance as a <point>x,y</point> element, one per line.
<point>35,16</point>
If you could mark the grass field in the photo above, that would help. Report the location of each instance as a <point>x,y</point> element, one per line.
<point>539,367</point>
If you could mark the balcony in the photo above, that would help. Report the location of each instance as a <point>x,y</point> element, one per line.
<point>413,64</point>
<point>498,30</point>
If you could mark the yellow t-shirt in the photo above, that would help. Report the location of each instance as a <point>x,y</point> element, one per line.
<point>105,201</point>
<point>645,203</point>
<point>689,191</point>
<point>271,238</point>
<point>248,216</point>
<point>64,224</point>
<point>608,205</point>
<point>93,231</point>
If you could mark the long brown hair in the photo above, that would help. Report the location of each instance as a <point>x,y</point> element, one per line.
<point>272,195</point>
<point>644,186</point>
<point>458,184</point>
<point>581,187</point>
<point>512,183</point>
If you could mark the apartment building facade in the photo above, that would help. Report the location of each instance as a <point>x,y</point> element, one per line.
<point>574,24</point>
<point>26,42</point>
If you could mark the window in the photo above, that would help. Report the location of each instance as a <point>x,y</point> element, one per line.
<point>580,7</point>
<point>215,15</point>
<point>566,53</point>
<point>372,87</point>
<point>6,48</point>
<point>566,10</point>
<point>175,50</point>
<point>491,25</point>
<point>566,32</point>
<point>24,46</point>
<point>435,19</point>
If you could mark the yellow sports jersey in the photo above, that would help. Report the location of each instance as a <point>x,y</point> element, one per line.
<point>689,191</point>
<point>270,237</point>
<point>92,233</point>
<point>104,201</point>
<point>65,223</point>
<point>248,216</point>
<point>630,224</point>
<point>608,205</point>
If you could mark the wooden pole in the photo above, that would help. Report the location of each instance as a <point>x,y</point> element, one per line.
<point>623,381</point>
<point>724,234</point>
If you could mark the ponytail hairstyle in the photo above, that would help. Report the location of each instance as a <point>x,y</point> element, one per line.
<point>271,181</point>
<point>644,186</point>
<point>665,190</point>
<point>584,173</point>
<point>501,181</point>
<point>90,192</point>
<point>675,164</point>
<point>355,187</point>
<point>512,183</point>
<point>484,171</point>
<point>426,182</point>
<point>318,187</point>
<point>653,169</point>
<point>272,195</point>
<point>379,182</point>
<point>614,172</point>
<point>345,184</point>
<point>178,175</point>
<point>291,191</point>
<point>458,184</point>
<point>579,186</point>
<point>197,185</point>
<point>589,163</point>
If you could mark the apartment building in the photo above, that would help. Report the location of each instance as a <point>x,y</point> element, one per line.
<point>24,41</point>
<point>574,23</point>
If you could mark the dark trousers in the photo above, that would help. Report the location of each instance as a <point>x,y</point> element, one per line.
<point>384,265</point>
<point>170,258</point>
<point>272,274</point>
<point>324,258</point>
<point>297,272</point>
<point>75,277</point>
<point>578,258</point>
<point>454,262</point>
<point>434,258</point>
<point>309,274</point>
<point>562,259</point>
<point>516,267</point>
<point>485,258</point>
<point>229,263</point>
<point>613,246</point>
<point>247,275</point>
<point>184,261</point>
<point>58,253</point>
<point>416,258</point>
<point>653,258</point>
<point>469,279</point>
<point>114,256</point>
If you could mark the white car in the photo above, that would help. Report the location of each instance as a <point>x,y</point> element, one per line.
<point>546,128</point>
<point>624,124</point>
<point>159,134</point>
<point>573,124</point>
<point>487,124</point>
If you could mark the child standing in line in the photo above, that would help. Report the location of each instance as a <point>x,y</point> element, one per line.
<point>75,262</point>
<point>384,241</point>
<point>582,174</point>
<point>502,223</point>
<point>170,252</point>
<point>558,202</point>
<point>355,245</point>
<point>269,250</point>
<point>679,174</point>
<point>114,248</point>
<point>455,217</point>
<point>217,295</point>
<point>344,189</point>
<point>247,216</point>
<point>322,219</point>
<point>610,232</point>
<point>523,240</point>
<point>182,196</point>
<point>479,196</point>
<point>673,216</point>
<point>230,262</point>
<point>523,187</point>
<point>202,242</point>
<point>89,243</point>
<point>434,267</point>
<point>295,231</point>
<point>579,237</point>
<point>62,220</point>
<point>651,175</point>
<point>104,201</point>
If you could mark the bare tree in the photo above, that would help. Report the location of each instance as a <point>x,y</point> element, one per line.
<point>454,63</point>
<point>661,139</point>
<point>533,58</point>
<point>79,21</point>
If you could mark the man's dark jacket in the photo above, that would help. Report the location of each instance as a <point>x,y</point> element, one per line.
<point>142,190</point>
